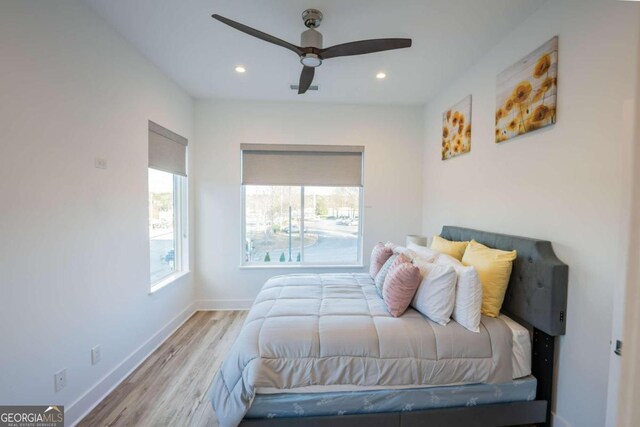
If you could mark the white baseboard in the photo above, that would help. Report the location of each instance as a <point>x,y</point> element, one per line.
<point>81,407</point>
<point>558,421</point>
<point>223,304</point>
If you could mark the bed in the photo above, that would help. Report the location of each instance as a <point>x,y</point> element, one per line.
<point>322,350</point>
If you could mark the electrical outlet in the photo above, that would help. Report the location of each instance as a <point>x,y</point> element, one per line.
<point>96,354</point>
<point>60,380</point>
<point>100,163</point>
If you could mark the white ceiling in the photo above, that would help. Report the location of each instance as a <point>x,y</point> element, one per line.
<point>200,54</point>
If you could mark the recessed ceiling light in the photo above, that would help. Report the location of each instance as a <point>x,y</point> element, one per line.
<point>381,75</point>
<point>240,69</point>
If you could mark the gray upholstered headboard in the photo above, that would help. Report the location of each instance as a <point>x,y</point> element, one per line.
<point>537,292</point>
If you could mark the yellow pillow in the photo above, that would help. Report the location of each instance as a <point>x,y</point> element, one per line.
<point>454,249</point>
<point>494,268</point>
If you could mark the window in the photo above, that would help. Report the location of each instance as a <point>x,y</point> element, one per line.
<point>305,222</point>
<point>167,204</point>
<point>276,232</point>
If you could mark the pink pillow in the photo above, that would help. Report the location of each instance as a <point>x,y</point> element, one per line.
<point>400,287</point>
<point>391,245</point>
<point>402,258</point>
<point>379,256</point>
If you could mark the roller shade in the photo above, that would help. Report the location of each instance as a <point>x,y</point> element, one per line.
<point>167,150</point>
<point>313,165</point>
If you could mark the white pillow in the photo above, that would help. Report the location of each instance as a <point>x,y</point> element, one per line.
<point>445,259</point>
<point>397,250</point>
<point>422,252</point>
<point>468,298</point>
<point>436,295</point>
<point>468,293</point>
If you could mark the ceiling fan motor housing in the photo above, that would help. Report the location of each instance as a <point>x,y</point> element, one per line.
<point>311,38</point>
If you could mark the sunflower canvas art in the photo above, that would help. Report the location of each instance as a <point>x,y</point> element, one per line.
<point>526,93</point>
<point>456,129</point>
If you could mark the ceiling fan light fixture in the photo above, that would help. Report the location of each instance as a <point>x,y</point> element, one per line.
<point>381,75</point>
<point>240,69</point>
<point>310,60</point>
<point>311,52</point>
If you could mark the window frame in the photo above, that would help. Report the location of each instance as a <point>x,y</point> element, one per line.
<point>359,263</point>
<point>180,233</point>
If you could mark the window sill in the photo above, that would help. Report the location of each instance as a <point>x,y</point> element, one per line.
<point>166,281</point>
<point>297,267</point>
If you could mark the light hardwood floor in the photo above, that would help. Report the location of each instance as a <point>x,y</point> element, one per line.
<point>170,387</point>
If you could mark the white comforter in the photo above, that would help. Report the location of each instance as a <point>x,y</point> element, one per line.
<point>334,329</point>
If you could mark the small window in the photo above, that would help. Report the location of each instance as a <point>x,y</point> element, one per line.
<point>317,221</point>
<point>165,225</point>
<point>167,204</point>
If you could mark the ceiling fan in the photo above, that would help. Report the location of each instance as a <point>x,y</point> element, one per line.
<point>310,50</point>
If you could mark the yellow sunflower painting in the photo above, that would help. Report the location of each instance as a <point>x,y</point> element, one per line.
<point>526,93</point>
<point>456,129</point>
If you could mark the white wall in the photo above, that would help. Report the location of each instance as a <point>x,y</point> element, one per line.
<point>392,137</point>
<point>629,390</point>
<point>569,183</point>
<point>74,263</point>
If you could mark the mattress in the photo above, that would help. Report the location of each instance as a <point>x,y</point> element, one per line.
<point>521,348</point>
<point>334,330</point>
<point>372,401</point>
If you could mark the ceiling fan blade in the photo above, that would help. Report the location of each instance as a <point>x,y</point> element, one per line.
<point>364,46</point>
<point>256,33</point>
<point>306,77</point>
